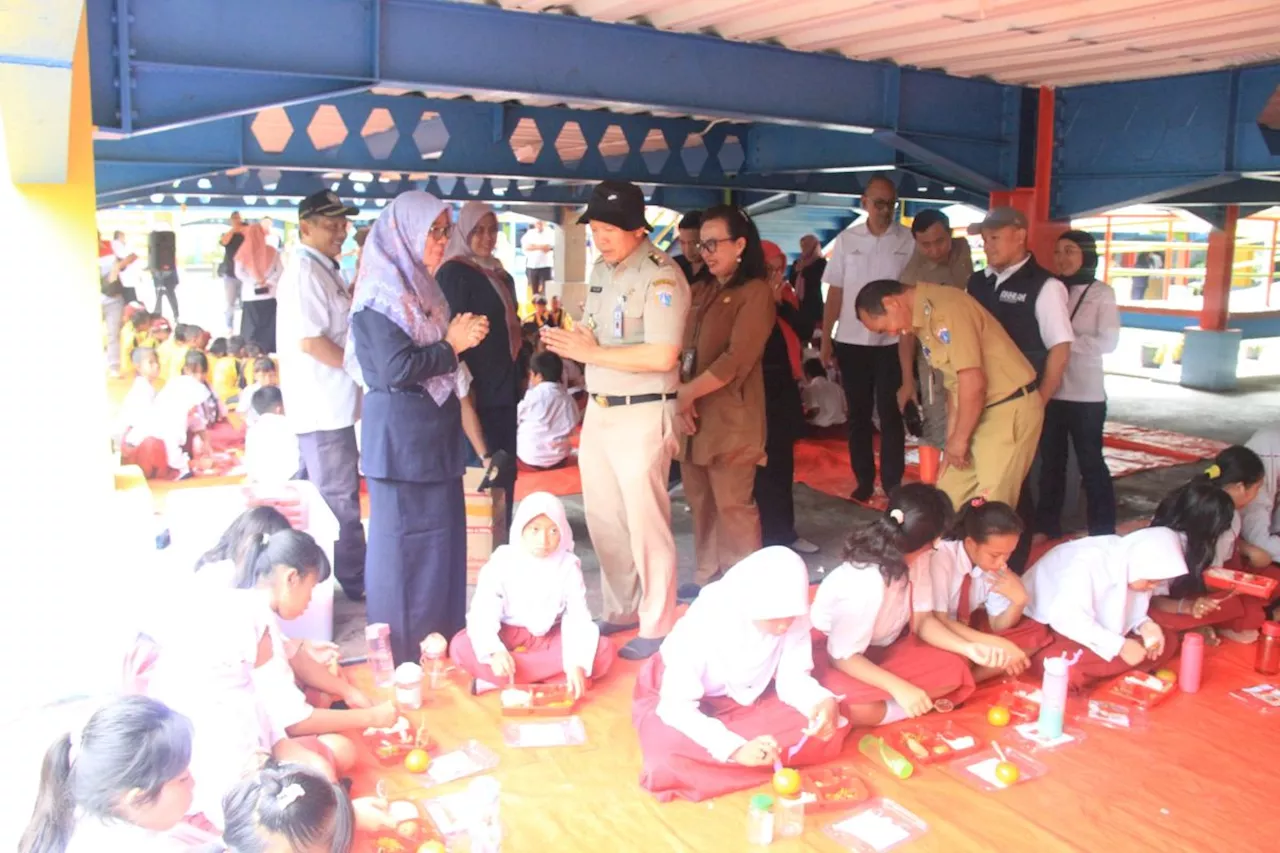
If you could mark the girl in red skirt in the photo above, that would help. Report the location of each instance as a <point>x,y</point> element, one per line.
<point>731,691</point>
<point>1094,593</point>
<point>878,643</point>
<point>975,594</point>
<point>1187,605</point>
<point>529,620</point>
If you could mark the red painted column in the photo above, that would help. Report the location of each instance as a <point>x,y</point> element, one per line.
<point>1033,202</point>
<point>1218,268</point>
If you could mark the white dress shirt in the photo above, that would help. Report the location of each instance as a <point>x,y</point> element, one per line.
<point>856,609</point>
<point>136,408</point>
<point>948,564</point>
<point>313,302</point>
<point>859,257</point>
<point>546,417</point>
<point>534,258</point>
<point>271,453</point>
<point>1260,520</point>
<point>826,400</point>
<point>1095,322</point>
<point>253,290</point>
<point>1052,314</point>
<point>1081,588</point>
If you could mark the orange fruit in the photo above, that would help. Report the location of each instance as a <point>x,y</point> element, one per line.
<point>998,715</point>
<point>407,829</point>
<point>416,761</point>
<point>1168,676</point>
<point>786,782</point>
<point>431,847</point>
<point>1007,772</point>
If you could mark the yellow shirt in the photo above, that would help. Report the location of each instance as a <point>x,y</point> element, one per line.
<point>956,333</point>
<point>128,343</point>
<point>224,377</point>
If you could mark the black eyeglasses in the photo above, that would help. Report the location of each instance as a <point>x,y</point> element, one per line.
<point>708,247</point>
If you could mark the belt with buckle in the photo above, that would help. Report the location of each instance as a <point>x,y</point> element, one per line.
<point>1029,388</point>
<point>607,400</point>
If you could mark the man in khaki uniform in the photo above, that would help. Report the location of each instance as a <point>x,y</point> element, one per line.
<point>996,415</point>
<point>939,258</point>
<point>630,337</point>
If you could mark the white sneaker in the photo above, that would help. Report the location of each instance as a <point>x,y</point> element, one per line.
<point>1245,637</point>
<point>804,546</point>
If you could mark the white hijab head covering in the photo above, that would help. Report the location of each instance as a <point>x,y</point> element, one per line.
<point>772,583</point>
<point>460,238</point>
<point>536,504</point>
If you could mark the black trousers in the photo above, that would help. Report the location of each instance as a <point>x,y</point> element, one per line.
<point>538,278</point>
<point>258,323</point>
<point>331,461</point>
<point>166,291</point>
<point>416,577</point>
<point>871,377</point>
<point>1081,423</point>
<point>773,493</point>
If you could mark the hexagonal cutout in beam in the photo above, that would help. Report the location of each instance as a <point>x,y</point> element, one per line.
<point>655,151</point>
<point>272,128</point>
<point>327,129</point>
<point>614,148</point>
<point>526,141</point>
<point>431,136</point>
<point>571,145</point>
<point>379,133</point>
<point>731,155</point>
<point>693,155</point>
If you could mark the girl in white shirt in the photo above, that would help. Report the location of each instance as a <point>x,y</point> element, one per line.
<point>121,784</point>
<point>731,689</point>
<point>225,564</point>
<point>1188,605</point>
<point>883,649</point>
<point>529,621</point>
<point>1095,593</point>
<point>974,592</point>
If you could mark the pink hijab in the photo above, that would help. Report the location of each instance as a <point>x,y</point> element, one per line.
<point>254,254</point>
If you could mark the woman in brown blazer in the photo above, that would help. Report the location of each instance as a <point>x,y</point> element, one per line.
<point>720,405</point>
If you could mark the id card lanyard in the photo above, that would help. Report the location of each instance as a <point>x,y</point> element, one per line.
<point>619,313</point>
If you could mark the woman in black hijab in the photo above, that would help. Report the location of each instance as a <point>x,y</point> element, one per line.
<point>1079,408</point>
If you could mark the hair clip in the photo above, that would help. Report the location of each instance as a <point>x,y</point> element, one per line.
<point>977,502</point>
<point>1213,472</point>
<point>289,795</point>
<point>266,537</point>
<point>897,515</point>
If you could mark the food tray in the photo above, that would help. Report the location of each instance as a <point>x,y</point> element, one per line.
<point>564,732</point>
<point>929,742</point>
<point>1263,698</point>
<point>1114,715</point>
<point>876,827</point>
<point>1138,689</point>
<point>467,760</point>
<point>1022,700</point>
<point>831,788</point>
<point>543,700</point>
<point>977,769</point>
<point>409,834</point>
<point>391,745</point>
<point>1245,583</point>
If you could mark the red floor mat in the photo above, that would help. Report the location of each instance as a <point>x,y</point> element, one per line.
<point>1185,448</point>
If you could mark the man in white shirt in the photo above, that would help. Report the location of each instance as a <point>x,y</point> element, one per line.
<point>823,401</point>
<point>1032,306</point>
<point>547,415</point>
<point>271,451</point>
<point>871,364</point>
<point>538,245</point>
<point>322,401</point>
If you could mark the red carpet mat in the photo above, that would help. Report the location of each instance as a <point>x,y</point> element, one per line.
<point>1162,442</point>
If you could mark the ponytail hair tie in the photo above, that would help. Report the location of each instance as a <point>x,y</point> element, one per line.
<point>289,795</point>
<point>1213,472</point>
<point>898,516</point>
<point>977,502</point>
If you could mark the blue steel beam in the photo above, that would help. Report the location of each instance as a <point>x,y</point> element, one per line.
<point>1251,326</point>
<point>413,134</point>
<point>1153,140</point>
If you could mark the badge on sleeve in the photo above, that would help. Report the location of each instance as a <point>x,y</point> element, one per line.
<point>944,335</point>
<point>664,292</point>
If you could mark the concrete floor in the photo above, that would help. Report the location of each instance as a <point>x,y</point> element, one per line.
<point>826,521</point>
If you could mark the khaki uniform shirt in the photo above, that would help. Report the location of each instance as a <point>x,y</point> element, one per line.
<point>727,333</point>
<point>643,300</point>
<point>957,334</point>
<point>955,271</point>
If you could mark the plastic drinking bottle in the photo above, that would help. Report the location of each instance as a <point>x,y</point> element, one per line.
<point>1192,663</point>
<point>1053,700</point>
<point>881,753</point>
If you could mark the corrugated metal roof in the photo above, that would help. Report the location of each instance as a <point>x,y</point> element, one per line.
<point>1027,42</point>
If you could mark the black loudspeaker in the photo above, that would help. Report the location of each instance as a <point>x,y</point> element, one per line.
<point>164,251</point>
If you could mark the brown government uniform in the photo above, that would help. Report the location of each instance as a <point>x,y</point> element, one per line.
<point>933,394</point>
<point>726,335</point>
<point>956,333</point>
<point>627,448</point>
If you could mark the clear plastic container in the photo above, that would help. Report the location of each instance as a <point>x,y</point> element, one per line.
<point>789,817</point>
<point>484,829</point>
<point>409,686</point>
<point>378,637</point>
<point>760,820</point>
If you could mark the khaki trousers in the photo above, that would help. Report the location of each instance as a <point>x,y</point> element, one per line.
<point>625,457</point>
<point>1003,448</point>
<point>726,521</point>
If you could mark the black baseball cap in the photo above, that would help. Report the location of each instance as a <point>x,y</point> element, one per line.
<point>324,203</point>
<point>618,203</point>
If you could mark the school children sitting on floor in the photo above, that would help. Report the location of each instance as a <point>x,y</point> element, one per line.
<point>133,334</point>
<point>529,621</point>
<point>974,592</point>
<point>271,451</point>
<point>823,400</point>
<point>224,371</point>
<point>547,415</point>
<point>877,641</point>
<point>146,452</point>
<point>1095,593</point>
<point>265,375</point>
<point>173,353</point>
<point>731,690</point>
